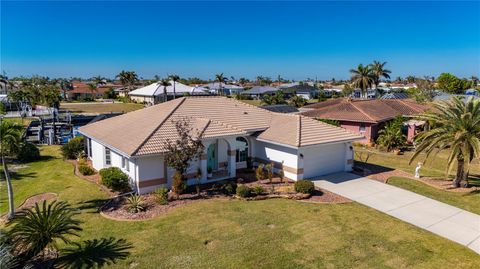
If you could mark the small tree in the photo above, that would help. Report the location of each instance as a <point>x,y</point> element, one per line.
<point>269,168</point>
<point>259,173</point>
<point>281,173</point>
<point>183,150</point>
<point>391,136</point>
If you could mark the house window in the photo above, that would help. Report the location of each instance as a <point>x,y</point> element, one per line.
<point>89,147</point>
<point>125,164</point>
<point>362,128</point>
<point>242,149</point>
<point>108,157</point>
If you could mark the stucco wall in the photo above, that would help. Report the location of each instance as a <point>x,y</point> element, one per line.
<point>370,133</point>
<point>98,156</point>
<point>277,153</point>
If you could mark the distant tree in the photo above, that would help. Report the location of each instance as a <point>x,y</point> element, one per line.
<point>347,90</point>
<point>93,89</point>
<point>410,79</point>
<point>362,78</point>
<point>451,84</point>
<point>399,80</point>
<point>174,78</point>
<point>474,80</point>
<point>165,83</point>
<point>242,81</point>
<point>127,79</point>
<point>220,79</point>
<point>297,101</point>
<point>379,71</point>
<point>456,128</point>
<point>277,98</point>
<point>425,91</point>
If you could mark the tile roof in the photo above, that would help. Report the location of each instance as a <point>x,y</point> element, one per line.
<point>145,131</point>
<point>373,111</point>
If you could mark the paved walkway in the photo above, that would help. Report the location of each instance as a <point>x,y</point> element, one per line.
<point>445,220</point>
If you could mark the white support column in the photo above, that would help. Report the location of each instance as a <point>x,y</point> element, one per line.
<point>204,161</point>
<point>232,162</point>
<point>348,157</point>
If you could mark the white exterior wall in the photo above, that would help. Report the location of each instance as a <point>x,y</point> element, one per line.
<point>150,168</point>
<point>98,155</point>
<point>277,153</point>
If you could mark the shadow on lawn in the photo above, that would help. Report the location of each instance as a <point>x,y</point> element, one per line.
<point>371,168</point>
<point>93,206</point>
<point>95,253</point>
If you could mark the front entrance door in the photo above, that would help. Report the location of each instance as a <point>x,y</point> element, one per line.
<point>212,156</point>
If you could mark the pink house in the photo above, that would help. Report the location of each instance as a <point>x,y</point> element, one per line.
<point>367,117</point>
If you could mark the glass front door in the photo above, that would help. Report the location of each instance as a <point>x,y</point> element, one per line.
<point>212,157</point>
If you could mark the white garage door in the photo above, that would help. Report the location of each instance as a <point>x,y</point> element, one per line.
<point>323,160</point>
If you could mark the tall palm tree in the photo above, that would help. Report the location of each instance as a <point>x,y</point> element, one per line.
<point>220,79</point>
<point>174,78</point>
<point>379,71</point>
<point>362,78</point>
<point>127,79</point>
<point>36,230</point>
<point>456,128</point>
<point>165,83</point>
<point>93,89</point>
<point>10,137</point>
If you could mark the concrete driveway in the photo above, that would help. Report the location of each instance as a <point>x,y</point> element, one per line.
<point>445,220</point>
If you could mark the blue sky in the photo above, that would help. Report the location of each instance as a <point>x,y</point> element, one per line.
<point>294,39</point>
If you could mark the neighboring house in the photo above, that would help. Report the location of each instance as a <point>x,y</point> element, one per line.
<point>370,94</point>
<point>154,93</point>
<point>442,96</point>
<point>82,90</point>
<point>258,91</point>
<point>365,117</point>
<point>232,132</point>
<point>337,90</point>
<point>306,91</point>
<point>228,89</point>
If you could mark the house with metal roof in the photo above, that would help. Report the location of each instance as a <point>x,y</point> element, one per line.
<point>232,132</point>
<point>155,92</point>
<point>258,91</point>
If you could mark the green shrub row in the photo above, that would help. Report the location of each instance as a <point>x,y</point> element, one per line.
<point>114,179</point>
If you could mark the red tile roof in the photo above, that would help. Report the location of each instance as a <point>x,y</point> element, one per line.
<point>373,111</point>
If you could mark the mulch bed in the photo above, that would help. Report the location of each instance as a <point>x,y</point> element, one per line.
<point>322,196</point>
<point>116,208</point>
<point>446,185</point>
<point>95,178</point>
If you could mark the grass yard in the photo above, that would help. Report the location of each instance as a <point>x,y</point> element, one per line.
<point>98,107</point>
<point>433,167</point>
<point>274,233</point>
<point>467,201</point>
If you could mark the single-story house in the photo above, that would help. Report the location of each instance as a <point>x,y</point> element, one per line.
<point>232,132</point>
<point>82,90</point>
<point>258,91</point>
<point>154,93</point>
<point>304,90</point>
<point>365,117</point>
<point>228,89</point>
<point>395,95</point>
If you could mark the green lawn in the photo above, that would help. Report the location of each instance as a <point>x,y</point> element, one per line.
<point>467,201</point>
<point>433,167</point>
<point>274,233</point>
<point>98,107</point>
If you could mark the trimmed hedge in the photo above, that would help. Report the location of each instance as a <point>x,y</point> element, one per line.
<point>304,186</point>
<point>73,148</point>
<point>114,178</point>
<point>244,191</point>
<point>28,152</point>
<point>86,170</point>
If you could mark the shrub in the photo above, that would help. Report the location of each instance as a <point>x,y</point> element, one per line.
<point>161,196</point>
<point>28,152</point>
<point>178,184</point>
<point>258,190</point>
<point>229,188</point>
<point>135,204</point>
<point>304,186</point>
<point>269,168</point>
<point>114,178</point>
<point>259,173</point>
<point>73,148</point>
<point>86,170</point>
<point>244,191</point>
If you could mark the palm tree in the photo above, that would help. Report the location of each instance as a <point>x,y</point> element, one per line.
<point>127,78</point>
<point>10,137</point>
<point>362,78</point>
<point>379,71</point>
<point>456,128</point>
<point>93,89</point>
<point>474,80</point>
<point>174,78</point>
<point>36,230</point>
<point>391,136</point>
<point>220,79</point>
<point>165,83</point>
<point>297,101</point>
